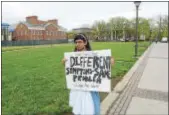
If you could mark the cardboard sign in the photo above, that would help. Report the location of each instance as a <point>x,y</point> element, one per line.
<point>88,70</point>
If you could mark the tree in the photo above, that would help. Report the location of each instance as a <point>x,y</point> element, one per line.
<point>164,26</point>
<point>99,29</point>
<point>70,35</point>
<point>161,22</point>
<point>117,26</point>
<point>144,28</point>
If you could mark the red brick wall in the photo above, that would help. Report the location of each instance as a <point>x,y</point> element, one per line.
<point>41,22</point>
<point>54,21</point>
<point>21,32</point>
<point>35,34</point>
<point>51,31</point>
<point>32,19</point>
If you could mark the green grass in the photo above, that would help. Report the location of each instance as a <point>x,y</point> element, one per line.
<point>33,79</point>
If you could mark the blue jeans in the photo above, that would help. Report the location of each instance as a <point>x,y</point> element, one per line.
<point>96,101</point>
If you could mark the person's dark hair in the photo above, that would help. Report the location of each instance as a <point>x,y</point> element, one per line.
<point>84,38</point>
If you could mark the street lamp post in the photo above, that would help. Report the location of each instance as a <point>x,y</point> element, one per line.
<point>159,33</point>
<point>137,3</point>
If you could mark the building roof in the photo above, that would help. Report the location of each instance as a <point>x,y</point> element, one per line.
<point>12,27</point>
<point>35,27</point>
<point>4,24</point>
<point>82,30</point>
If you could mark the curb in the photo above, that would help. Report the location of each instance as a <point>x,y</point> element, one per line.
<point>112,97</point>
<point>106,104</point>
<point>121,85</point>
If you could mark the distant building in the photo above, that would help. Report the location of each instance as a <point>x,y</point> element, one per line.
<point>34,29</point>
<point>142,37</point>
<point>82,30</point>
<point>6,34</point>
<point>85,30</point>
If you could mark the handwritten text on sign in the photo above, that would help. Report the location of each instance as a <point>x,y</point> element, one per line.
<point>89,70</point>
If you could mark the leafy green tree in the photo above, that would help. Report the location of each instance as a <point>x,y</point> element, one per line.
<point>70,35</point>
<point>164,26</point>
<point>99,29</point>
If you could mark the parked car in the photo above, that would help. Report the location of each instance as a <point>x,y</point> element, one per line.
<point>127,39</point>
<point>122,40</point>
<point>164,40</point>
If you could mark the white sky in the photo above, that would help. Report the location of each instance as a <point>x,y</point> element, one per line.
<point>75,14</point>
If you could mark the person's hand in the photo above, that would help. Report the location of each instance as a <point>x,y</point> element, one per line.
<point>64,60</point>
<point>112,61</point>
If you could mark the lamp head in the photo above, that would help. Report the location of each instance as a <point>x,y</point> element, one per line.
<point>137,3</point>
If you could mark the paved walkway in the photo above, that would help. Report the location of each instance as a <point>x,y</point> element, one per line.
<point>147,90</point>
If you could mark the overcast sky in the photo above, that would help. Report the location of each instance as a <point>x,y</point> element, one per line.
<point>76,14</point>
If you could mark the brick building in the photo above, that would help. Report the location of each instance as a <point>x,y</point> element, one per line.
<point>34,29</point>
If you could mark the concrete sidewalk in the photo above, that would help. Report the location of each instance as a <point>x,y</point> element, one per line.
<point>145,89</point>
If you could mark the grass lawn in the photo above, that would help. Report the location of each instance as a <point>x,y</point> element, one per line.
<point>33,79</point>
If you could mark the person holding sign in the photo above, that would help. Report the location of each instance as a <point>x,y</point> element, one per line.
<point>84,102</point>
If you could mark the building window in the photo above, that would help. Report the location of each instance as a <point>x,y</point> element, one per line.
<point>47,33</point>
<point>21,26</point>
<point>32,32</point>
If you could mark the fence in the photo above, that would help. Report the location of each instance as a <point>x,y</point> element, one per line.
<point>32,42</point>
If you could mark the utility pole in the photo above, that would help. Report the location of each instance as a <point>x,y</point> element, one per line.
<point>159,32</point>
<point>115,34</point>
<point>111,32</point>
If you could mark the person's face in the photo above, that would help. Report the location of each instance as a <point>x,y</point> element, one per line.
<point>80,45</point>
